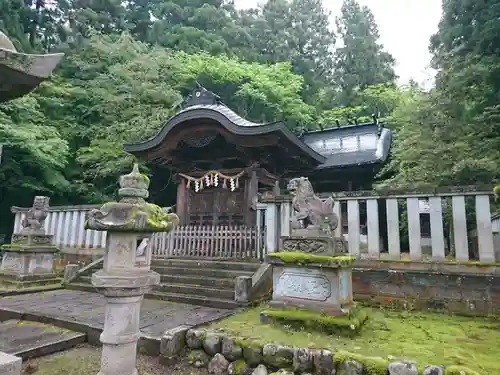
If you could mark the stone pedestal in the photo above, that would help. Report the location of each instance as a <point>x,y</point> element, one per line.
<point>314,242</point>
<point>9,364</point>
<point>126,275</point>
<point>29,260</point>
<point>318,287</point>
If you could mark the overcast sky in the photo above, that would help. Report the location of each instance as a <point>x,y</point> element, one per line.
<point>405,28</point>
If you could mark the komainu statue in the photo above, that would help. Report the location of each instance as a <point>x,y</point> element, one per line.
<point>35,218</point>
<point>311,212</point>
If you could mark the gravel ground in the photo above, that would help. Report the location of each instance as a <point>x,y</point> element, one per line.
<point>85,360</point>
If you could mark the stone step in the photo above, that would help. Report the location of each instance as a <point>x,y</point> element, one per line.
<point>81,286</point>
<point>195,300</point>
<point>198,281</point>
<point>203,263</point>
<point>27,339</point>
<point>84,282</point>
<point>226,294</point>
<point>201,272</point>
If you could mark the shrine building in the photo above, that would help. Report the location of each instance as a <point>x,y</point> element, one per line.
<point>220,161</point>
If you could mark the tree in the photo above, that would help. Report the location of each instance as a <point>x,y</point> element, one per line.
<point>32,25</point>
<point>297,31</point>
<point>193,26</point>
<point>84,17</point>
<point>34,156</point>
<point>361,60</point>
<point>466,53</point>
<point>117,90</point>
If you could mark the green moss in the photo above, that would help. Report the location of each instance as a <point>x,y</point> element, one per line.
<point>496,192</point>
<point>11,246</point>
<point>297,257</point>
<point>459,370</point>
<point>247,343</point>
<point>146,178</point>
<point>425,337</point>
<point>157,218</point>
<point>309,320</point>
<point>239,365</point>
<point>372,365</point>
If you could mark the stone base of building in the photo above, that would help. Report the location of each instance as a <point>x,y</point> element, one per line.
<point>10,364</point>
<point>27,266</point>
<point>321,288</point>
<point>19,282</point>
<point>28,260</point>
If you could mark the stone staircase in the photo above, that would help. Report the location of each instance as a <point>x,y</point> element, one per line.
<point>190,280</point>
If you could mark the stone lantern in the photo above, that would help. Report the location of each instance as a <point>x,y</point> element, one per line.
<point>126,275</point>
<point>20,73</point>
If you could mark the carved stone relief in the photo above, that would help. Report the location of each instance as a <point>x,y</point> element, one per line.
<point>303,286</point>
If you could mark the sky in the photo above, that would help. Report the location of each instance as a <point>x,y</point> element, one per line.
<point>405,28</point>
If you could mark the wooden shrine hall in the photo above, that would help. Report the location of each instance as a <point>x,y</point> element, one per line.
<point>221,162</point>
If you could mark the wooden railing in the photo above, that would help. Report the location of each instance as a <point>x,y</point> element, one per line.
<point>208,241</point>
<point>458,218</point>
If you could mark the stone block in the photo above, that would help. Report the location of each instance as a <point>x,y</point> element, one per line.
<point>212,344</point>
<point>278,356</point>
<point>243,288</point>
<point>70,272</point>
<point>230,349</point>
<point>302,360</point>
<point>172,343</point>
<point>323,362</point>
<point>402,368</point>
<point>218,365</point>
<point>194,338</point>
<point>28,262</point>
<point>10,364</point>
<point>327,289</point>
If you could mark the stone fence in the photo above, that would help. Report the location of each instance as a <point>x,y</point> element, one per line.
<point>223,354</point>
<point>447,224</point>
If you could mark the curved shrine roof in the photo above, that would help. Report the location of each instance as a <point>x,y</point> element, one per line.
<point>330,148</point>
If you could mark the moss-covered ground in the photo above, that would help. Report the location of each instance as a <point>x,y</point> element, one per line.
<point>85,360</point>
<point>427,338</point>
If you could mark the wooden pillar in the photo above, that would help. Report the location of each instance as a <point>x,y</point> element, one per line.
<point>276,188</point>
<point>252,187</point>
<point>181,206</point>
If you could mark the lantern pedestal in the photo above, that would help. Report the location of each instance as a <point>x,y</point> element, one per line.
<point>126,275</point>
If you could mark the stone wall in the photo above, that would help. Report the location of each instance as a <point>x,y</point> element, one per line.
<point>225,355</point>
<point>419,289</point>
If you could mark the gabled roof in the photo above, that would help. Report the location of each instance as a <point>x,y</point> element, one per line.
<point>351,145</point>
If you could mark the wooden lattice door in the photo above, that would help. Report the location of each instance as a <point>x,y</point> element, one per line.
<point>216,206</point>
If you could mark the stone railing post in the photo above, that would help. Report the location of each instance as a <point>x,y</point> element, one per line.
<point>126,275</point>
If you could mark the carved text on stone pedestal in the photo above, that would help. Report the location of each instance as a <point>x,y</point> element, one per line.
<point>303,286</point>
<point>11,263</point>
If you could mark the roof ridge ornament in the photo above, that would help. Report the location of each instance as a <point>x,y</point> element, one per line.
<point>202,96</point>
